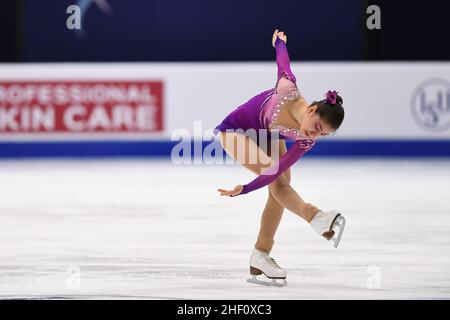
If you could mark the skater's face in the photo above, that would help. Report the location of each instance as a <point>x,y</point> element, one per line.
<point>313,126</point>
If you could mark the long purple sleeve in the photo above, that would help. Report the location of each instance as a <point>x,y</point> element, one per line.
<point>283,62</point>
<point>286,82</point>
<point>295,152</point>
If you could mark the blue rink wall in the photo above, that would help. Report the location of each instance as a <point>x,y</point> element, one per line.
<point>163,149</point>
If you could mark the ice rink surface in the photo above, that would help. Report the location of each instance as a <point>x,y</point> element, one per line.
<point>149,229</point>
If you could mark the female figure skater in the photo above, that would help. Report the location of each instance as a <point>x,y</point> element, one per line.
<point>283,111</point>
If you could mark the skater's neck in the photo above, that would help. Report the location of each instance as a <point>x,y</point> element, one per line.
<point>300,108</point>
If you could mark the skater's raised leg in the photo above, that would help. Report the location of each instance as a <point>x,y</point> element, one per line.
<point>280,189</point>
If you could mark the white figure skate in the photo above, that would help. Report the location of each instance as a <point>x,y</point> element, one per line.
<point>330,225</point>
<point>262,263</point>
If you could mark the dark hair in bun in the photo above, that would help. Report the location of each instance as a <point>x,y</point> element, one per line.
<point>333,114</point>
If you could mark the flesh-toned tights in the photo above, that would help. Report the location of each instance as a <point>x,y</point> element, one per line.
<point>281,194</point>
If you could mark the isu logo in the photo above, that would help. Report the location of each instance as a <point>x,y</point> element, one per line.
<point>431,104</point>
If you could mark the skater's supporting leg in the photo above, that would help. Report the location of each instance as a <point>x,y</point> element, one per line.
<point>273,211</point>
<point>270,220</point>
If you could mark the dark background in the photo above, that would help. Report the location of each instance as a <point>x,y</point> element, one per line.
<point>207,30</point>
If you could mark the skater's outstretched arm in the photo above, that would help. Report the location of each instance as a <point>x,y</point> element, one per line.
<point>271,174</point>
<point>283,62</point>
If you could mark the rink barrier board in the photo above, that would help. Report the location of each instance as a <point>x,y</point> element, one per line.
<point>163,148</point>
<point>382,100</point>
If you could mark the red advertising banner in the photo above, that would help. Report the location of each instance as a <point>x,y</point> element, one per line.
<point>81,106</point>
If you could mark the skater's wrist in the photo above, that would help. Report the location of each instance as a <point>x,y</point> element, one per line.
<point>243,191</point>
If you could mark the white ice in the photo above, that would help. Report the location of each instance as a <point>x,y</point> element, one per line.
<point>154,230</point>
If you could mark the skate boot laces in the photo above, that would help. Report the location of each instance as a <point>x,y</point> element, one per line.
<point>274,263</point>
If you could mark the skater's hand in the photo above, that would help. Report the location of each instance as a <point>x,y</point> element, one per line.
<point>280,35</point>
<point>238,189</point>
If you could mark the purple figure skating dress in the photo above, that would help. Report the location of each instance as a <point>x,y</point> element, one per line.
<point>261,112</point>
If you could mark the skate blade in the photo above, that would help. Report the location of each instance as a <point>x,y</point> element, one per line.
<point>340,224</point>
<point>273,283</point>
